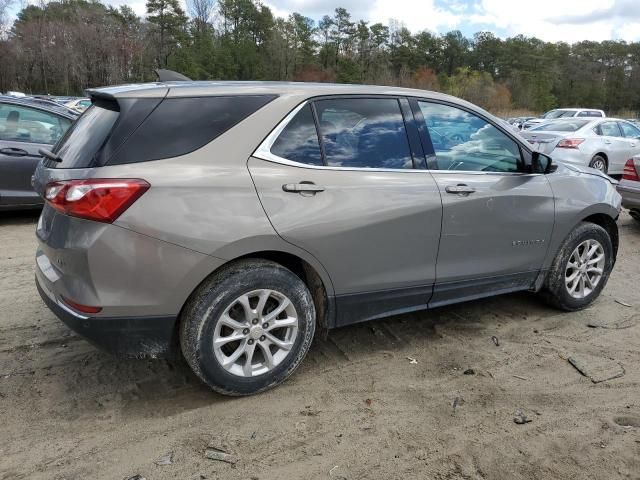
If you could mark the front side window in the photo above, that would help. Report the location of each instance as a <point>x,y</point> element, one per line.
<point>465,142</point>
<point>298,141</point>
<point>23,124</point>
<point>629,131</point>
<point>363,133</point>
<point>609,129</point>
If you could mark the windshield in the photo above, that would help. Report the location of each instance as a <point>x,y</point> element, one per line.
<point>558,114</point>
<point>561,126</point>
<point>83,140</point>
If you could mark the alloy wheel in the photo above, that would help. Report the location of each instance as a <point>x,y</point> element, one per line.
<point>584,268</point>
<point>255,333</point>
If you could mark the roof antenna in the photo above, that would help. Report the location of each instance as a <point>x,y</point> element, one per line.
<point>170,76</point>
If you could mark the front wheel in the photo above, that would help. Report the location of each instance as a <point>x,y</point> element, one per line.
<point>581,268</point>
<point>248,327</point>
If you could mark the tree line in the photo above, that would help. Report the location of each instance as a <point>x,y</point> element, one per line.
<point>63,47</point>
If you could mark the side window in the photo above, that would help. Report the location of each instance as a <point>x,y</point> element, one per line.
<point>23,124</point>
<point>299,139</point>
<point>595,113</point>
<point>364,133</point>
<point>609,129</point>
<point>463,141</point>
<point>629,130</point>
<point>584,113</point>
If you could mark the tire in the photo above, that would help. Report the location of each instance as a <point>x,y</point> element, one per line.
<point>599,163</point>
<point>222,301</point>
<point>635,214</point>
<point>556,290</point>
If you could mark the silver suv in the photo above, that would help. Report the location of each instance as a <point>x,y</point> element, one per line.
<point>233,220</point>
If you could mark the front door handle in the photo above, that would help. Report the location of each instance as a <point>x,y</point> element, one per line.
<point>460,189</point>
<point>14,152</point>
<point>302,187</point>
<point>608,142</point>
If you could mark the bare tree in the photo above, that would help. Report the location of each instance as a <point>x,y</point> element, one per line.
<point>4,8</point>
<point>201,11</point>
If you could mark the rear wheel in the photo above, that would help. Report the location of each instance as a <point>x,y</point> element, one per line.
<point>248,327</point>
<point>635,214</point>
<point>599,163</point>
<point>581,268</point>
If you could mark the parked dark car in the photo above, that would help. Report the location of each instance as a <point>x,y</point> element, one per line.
<point>25,127</point>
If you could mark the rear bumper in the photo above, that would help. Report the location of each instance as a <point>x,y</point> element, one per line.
<point>139,337</point>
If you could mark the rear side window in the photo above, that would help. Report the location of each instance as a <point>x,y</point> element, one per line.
<point>609,129</point>
<point>299,139</point>
<point>561,126</point>
<point>181,125</point>
<point>364,133</point>
<point>78,148</point>
<point>629,131</point>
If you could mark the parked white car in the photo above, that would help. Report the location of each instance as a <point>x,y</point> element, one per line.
<point>563,113</point>
<point>604,144</point>
<point>79,104</point>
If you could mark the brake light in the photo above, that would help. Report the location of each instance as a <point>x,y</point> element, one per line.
<point>81,308</point>
<point>99,199</point>
<point>630,171</point>
<point>570,143</point>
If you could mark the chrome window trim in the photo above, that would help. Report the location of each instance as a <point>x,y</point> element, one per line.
<point>263,152</point>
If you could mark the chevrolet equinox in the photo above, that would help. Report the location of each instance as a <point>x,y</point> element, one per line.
<point>230,220</point>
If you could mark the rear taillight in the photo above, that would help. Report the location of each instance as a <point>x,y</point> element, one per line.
<point>630,171</point>
<point>80,307</point>
<point>99,199</point>
<point>570,143</point>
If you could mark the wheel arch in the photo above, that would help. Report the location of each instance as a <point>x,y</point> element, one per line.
<point>609,224</point>
<point>312,274</point>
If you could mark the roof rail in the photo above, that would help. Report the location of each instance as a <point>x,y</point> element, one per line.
<point>170,76</point>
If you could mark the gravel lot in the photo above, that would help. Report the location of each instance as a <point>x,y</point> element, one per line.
<point>359,407</point>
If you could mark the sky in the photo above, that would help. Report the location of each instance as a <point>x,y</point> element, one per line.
<point>550,20</point>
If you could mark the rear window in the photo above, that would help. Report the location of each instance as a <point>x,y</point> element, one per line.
<point>83,140</point>
<point>563,126</point>
<point>141,130</point>
<point>181,125</point>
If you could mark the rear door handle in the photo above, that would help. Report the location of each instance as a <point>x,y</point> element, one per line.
<point>14,152</point>
<point>460,189</point>
<point>302,187</point>
<point>608,142</point>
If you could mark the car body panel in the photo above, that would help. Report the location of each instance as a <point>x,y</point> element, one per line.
<point>501,229</point>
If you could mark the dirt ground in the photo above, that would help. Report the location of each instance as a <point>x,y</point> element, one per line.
<point>358,408</point>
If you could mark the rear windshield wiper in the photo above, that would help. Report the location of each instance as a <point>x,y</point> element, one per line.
<point>48,154</point>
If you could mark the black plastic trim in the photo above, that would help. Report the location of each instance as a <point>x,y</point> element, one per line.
<point>138,337</point>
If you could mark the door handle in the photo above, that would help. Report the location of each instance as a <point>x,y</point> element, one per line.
<point>608,142</point>
<point>302,187</point>
<point>14,152</point>
<point>460,189</point>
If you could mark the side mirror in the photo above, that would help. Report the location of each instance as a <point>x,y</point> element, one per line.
<point>541,163</point>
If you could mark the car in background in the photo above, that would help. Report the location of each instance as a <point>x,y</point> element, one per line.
<point>629,187</point>
<point>15,94</point>
<point>79,104</point>
<point>563,113</point>
<point>518,122</point>
<point>25,127</point>
<point>49,102</point>
<point>604,144</point>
